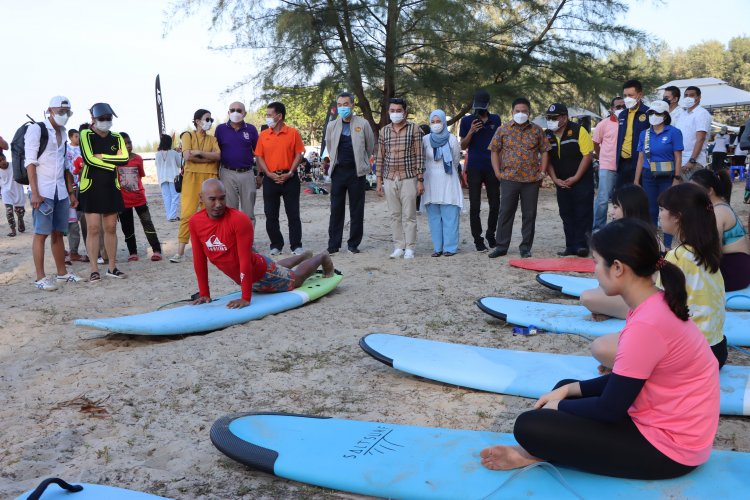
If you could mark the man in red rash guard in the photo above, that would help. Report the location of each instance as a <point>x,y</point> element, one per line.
<point>225,237</point>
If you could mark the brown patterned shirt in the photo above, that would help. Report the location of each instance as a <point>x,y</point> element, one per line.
<point>520,148</point>
<point>399,153</point>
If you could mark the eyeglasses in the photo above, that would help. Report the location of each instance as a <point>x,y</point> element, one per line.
<point>63,112</point>
<point>209,120</point>
<point>236,110</point>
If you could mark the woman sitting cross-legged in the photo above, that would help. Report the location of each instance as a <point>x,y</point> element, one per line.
<point>655,416</point>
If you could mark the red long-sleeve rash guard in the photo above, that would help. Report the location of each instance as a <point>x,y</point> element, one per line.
<point>227,243</point>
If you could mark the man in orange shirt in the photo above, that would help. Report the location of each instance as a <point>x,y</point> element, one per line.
<point>278,153</point>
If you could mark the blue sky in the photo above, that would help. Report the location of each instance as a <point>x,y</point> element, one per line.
<point>104,50</point>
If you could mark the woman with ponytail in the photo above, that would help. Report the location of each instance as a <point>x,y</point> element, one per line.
<point>655,416</point>
<point>735,247</point>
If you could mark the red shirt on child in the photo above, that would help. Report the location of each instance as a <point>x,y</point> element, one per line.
<point>131,187</point>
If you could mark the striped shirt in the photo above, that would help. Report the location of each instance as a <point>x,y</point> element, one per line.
<point>400,154</point>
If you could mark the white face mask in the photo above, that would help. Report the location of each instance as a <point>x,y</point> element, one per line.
<point>61,120</point>
<point>436,128</point>
<point>270,122</point>
<point>688,102</point>
<point>206,126</point>
<point>104,126</point>
<point>520,118</point>
<point>617,112</point>
<point>630,102</point>
<point>655,119</point>
<point>553,125</point>
<point>235,117</point>
<point>396,117</point>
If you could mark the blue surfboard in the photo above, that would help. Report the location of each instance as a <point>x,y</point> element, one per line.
<point>54,491</point>
<point>402,461</point>
<point>516,373</point>
<point>575,285</point>
<point>214,315</point>
<point>561,318</point>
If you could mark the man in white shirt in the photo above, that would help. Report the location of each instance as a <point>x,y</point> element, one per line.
<point>719,154</point>
<point>52,191</point>
<point>694,123</point>
<point>672,97</point>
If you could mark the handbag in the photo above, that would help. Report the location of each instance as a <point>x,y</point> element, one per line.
<point>659,169</point>
<point>178,182</point>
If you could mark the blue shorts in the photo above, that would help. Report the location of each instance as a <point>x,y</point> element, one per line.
<point>56,217</point>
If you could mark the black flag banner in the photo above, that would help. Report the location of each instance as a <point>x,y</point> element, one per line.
<point>160,108</point>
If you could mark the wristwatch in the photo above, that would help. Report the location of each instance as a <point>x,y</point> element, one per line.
<point>420,179</point>
<point>691,160</point>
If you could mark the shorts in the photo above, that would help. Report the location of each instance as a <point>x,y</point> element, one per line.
<point>276,278</point>
<point>56,218</point>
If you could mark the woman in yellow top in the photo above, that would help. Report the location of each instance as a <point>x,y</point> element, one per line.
<point>686,212</point>
<point>201,154</point>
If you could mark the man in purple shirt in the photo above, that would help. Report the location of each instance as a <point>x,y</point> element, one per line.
<point>237,141</point>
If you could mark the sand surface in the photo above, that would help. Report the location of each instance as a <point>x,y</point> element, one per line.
<point>156,398</point>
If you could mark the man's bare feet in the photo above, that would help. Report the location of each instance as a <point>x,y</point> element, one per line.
<point>327,263</point>
<point>506,457</point>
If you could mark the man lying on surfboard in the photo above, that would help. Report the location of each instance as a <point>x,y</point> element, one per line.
<point>224,236</point>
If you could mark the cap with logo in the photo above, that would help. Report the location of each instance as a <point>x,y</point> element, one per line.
<point>59,101</point>
<point>658,107</point>
<point>557,108</point>
<point>101,109</point>
<point>481,99</point>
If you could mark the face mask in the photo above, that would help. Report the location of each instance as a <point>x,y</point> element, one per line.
<point>206,126</point>
<point>235,117</point>
<point>270,122</point>
<point>396,117</point>
<point>655,119</point>
<point>617,112</point>
<point>553,125</point>
<point>61,119</point>
<point>104,126</point>
<point>520,118</point>
<point>344,112</point>
<point>688,102</point>
<point>436,128</point>
<point>630,102</point>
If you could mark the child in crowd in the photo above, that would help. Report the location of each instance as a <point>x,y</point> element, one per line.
<point>168,165</point>
<point>134,197</point>
<point>13,198</point>
<point>75,226</point>
<point>655,416</point>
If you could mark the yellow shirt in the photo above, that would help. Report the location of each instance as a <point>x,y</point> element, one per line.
<point>627,142</point>
<point>207,143</point>
<point>705,290</point>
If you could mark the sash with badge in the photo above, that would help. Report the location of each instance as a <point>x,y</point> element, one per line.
<point>659,169</point>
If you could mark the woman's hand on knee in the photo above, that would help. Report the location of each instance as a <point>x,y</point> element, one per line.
<point>549,401</point>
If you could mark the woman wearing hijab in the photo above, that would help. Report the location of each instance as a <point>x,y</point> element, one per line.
<point>442,198</point>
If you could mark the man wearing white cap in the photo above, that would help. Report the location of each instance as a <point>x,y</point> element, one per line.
<point>52,191</point>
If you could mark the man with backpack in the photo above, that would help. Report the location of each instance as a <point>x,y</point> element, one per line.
<point>52,190</point>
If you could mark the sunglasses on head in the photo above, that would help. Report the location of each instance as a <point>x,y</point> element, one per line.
<point>236,110</point>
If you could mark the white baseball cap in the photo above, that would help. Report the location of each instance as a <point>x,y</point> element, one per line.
<point>659,107</point>
<point>59,101</point>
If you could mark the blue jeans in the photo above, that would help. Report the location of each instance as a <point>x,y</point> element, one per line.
<point>443,221</point>
<point>607,180</point>
<point>654,186</point>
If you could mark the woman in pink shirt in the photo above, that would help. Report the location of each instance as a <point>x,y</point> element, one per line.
<point>655,416</point>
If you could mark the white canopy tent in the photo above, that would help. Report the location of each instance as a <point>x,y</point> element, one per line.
<point>715,93</point>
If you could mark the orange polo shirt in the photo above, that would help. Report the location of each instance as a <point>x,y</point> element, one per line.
<point>280,149</point>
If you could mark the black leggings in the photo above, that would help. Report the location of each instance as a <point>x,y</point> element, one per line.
<point>128,228</point>
<point>617,449</point>
<point>721,352</point>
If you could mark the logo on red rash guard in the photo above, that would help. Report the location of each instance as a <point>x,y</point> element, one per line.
<point>213,244</point>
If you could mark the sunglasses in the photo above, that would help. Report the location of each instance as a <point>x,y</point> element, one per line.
<point>621,106</point>
<point>104,118</point>
<point>236,110</point>
<point>209,120</point>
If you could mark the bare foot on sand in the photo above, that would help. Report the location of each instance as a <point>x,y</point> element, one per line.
<point>506,457</point>
<point>327,263</point>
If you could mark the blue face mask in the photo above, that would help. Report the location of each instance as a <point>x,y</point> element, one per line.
<point>344,112</point>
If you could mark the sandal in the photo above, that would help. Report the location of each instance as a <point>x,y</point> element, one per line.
<point>449,254</point>
<point>115,273</point>
<point>436,254</point>
<point>95,276</point>
<point>133,257</point>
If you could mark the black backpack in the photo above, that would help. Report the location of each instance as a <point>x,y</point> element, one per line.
<point>18,150</point>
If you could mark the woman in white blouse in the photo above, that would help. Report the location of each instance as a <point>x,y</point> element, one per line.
<point>168,164</point>
<point>443,198</point>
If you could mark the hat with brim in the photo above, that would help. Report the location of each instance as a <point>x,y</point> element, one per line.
<point>481,99</point>
<point>59,101</point>
<point>659,107</point>
<point>102,109</point>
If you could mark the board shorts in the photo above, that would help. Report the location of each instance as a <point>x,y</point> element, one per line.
<point>276,278</point>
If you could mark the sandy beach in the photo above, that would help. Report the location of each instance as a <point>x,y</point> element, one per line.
<point>148,403</point>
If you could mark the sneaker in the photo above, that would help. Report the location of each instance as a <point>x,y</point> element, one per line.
<point>133,258</point>
<point>397,253</point>
<point>156,256</point>
<point>481,247</point>
<point>409,254</point>
<point>275,251</point>
<point>525,255</point>
<point>497,252</point>
<point>45,284</point>
<point>298,251</point>
<point>116,273</point>
<point>100,261</point>
<point>354,250</point>
<point>582,252</point>
<point>69,278</point>
<point>176,258</point>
